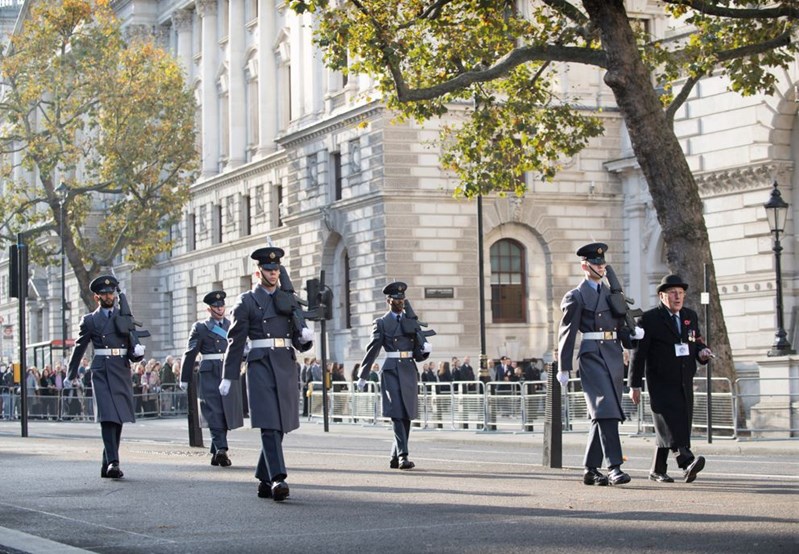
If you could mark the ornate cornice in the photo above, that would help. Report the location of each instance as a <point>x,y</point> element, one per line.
<point>325,127</point>
<point>206,7</point>
<point>182,20</point>
<point>744,178</point>
<point>242,173</point>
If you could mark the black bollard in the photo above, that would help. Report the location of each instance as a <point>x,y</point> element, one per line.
<point>553,424</point>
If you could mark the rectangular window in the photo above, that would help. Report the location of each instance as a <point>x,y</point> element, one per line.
<point>168,311</point>
<point>216,224</point>
<point>280,207</point>
<point>245,217</point>
<point>312,168</point>
<point>335,162</point>
<point>347,291</point>
<point>191,232</point>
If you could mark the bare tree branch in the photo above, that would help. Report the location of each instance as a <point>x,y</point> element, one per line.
<point>508,62</point>
<point>712,8</point>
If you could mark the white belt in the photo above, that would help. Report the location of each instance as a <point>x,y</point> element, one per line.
<point>111,352</point>
<point>213,356</point>
<point>600,335</point>
<point>271,343</point>
<point>399,354</point>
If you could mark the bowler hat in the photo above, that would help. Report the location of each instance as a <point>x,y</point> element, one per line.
<point>395,290</point>
<point>215,298</point>
<point>593,253</point>
<point>104,283</point>
<point>268,257</point>
<point>670,281</point>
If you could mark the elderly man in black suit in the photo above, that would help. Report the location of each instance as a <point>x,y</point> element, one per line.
<point>667,355</point>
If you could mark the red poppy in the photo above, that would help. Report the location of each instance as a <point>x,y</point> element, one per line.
<point>687,322</point>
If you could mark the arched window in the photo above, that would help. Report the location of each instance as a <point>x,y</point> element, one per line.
<point>508,278</point>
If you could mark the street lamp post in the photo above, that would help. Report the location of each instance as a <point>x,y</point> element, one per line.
<point>62,191</point>
<point>777,213</point>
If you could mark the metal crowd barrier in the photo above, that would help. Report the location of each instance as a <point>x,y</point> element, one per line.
<point>513,406</point>
<point>63,405</point>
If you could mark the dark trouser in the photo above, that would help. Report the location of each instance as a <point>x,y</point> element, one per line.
<point>112,434</point>
<point>271,466</point>
<point>402,430</point>
<point>603,442</point>
<point>683,455</point>
<point>218,440</point>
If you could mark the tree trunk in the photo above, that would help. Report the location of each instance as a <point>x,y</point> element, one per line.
<point>674,192</point>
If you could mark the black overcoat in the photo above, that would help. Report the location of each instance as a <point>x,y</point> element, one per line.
<point>399,377</point>
<point>669,378</point>
<point>272,373</point>
<point>112,381</point>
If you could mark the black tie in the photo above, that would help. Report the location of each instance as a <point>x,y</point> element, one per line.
<point>398,317</point>
<point>598,287</point>
<point>675,318</point>
<point>108,313</point>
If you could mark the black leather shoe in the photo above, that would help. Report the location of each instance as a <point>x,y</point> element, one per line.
<point>618,477</point>
<point>394,463</point>
<point>104,471</point>
<point>695,467</point>
<point>593,476</point>
<point>221,459</point>
<point>280,491</point>
<point>405,463</point>
<point>660,477</point>
<point>264,489</point>
<point>113,471</point>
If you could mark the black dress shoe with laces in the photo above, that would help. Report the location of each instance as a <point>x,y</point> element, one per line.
<point>660,477</point>
<point>221,459</point>
<point>264,489</point>
<point>393,463</point>
<point>618,477</point>
<point>593,476</point>
<point>113,471</point>
<point>693,468</point>
<point>280,491</point>
<point>405,463</point>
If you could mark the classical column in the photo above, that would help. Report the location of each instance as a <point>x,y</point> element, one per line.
<point>208,69</point>
<point>237,107</point>
<point>267,77</point>
<point>182,21</point>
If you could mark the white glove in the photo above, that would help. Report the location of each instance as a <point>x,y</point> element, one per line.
<point>224,387</point>
<point>638,334</point>
<point>427,348</point>
<point>184,385</point>
<point>563,378</point>
<point>138,350</point>
<point>361,384</point>
<point>306,336</point>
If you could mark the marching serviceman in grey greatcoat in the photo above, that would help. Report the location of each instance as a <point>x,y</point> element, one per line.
<point>110,369</point>
<point>264,315</point>
<point>601,363</point>
<point>399,377</point>
<point>209,339</point>
<point>668,355</point>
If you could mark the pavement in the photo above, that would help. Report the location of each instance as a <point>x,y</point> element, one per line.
<point>470,492</point>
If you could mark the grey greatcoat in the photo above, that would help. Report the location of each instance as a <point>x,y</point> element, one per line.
<point>669,378</point>
<point>399,377</point>
<point>601,362</point>
<point>112,382</point>
<point>219,412</point>
<point>272,373</point>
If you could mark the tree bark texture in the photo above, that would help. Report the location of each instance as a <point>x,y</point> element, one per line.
<point>674,191</point>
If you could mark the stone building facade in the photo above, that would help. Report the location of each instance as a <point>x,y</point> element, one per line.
<point>303,155</point>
